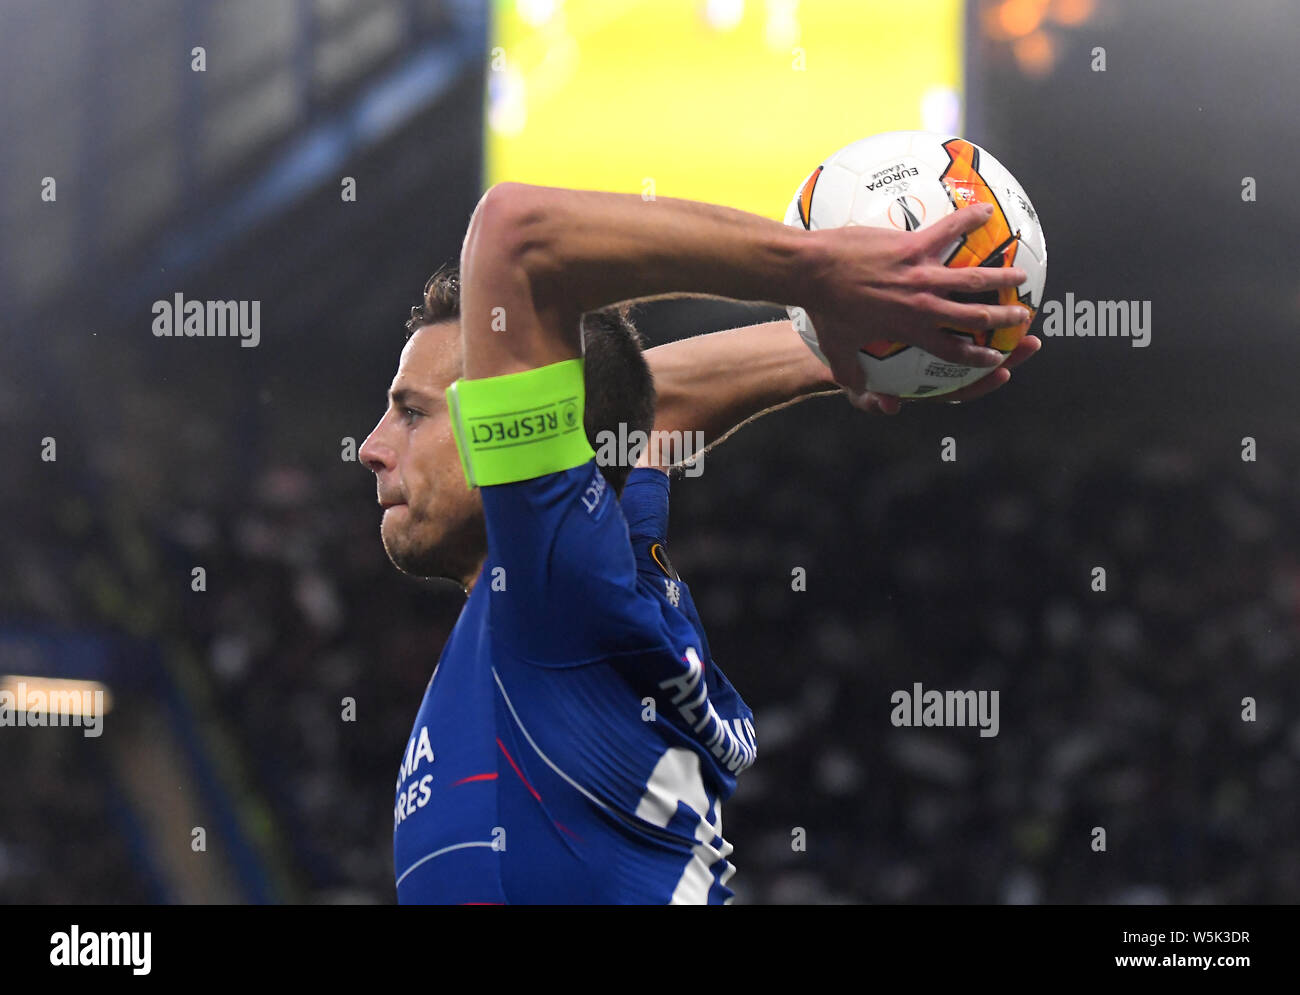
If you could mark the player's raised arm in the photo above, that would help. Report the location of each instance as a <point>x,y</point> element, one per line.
<point>536,258</point>
<point>767,367</point>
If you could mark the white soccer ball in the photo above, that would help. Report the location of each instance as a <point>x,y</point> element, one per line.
<point>908,180</point>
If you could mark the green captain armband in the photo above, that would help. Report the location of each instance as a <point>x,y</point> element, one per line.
<point>520,425</point>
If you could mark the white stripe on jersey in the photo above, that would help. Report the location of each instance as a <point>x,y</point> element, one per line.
<point>439,853</point>
<point>676,779</point>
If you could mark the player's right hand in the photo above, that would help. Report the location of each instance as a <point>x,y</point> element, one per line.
<point>872,284</point>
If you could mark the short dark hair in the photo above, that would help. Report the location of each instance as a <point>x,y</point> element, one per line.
<point>620,388</point>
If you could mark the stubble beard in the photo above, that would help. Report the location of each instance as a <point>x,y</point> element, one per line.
<point>431,553</point>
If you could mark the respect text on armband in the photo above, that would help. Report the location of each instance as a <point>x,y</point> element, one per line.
<point>532,425</point>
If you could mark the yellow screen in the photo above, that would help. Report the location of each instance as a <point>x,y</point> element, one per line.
<point>725,101</point>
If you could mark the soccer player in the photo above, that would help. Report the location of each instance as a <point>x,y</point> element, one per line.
<point>576,740</point>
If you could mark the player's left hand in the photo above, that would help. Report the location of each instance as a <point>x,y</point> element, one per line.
<point>889,404</point>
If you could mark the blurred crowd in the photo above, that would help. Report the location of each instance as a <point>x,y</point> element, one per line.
<point>1120,709</point>
<point>1121,700</point>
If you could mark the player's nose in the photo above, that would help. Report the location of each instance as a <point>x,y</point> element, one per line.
<point>375,455</point>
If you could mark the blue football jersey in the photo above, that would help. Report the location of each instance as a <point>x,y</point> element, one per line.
<point>576,741</point>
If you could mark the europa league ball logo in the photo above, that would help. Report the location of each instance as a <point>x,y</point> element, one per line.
<point>907,213</point>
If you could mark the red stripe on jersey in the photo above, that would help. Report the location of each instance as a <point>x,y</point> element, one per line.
<point>475,777</point>
<point>531,789</point>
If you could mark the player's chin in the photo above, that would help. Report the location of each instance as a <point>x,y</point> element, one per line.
<point>406,553</point>
<point>417,555</point>
<point>414,562</point>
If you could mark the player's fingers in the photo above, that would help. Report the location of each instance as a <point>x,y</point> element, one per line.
<point>846,369</point>
<point>885,404</point>
<point>969,279</point>
<point>955,349</point>
<point>985,385</point>
<point>888,404</point>
<point>1027,346</point>
<point>863,402</point>
<point>976,317</point>
<point>947,230</point>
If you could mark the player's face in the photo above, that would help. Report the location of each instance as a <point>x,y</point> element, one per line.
<point>433,523</point>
